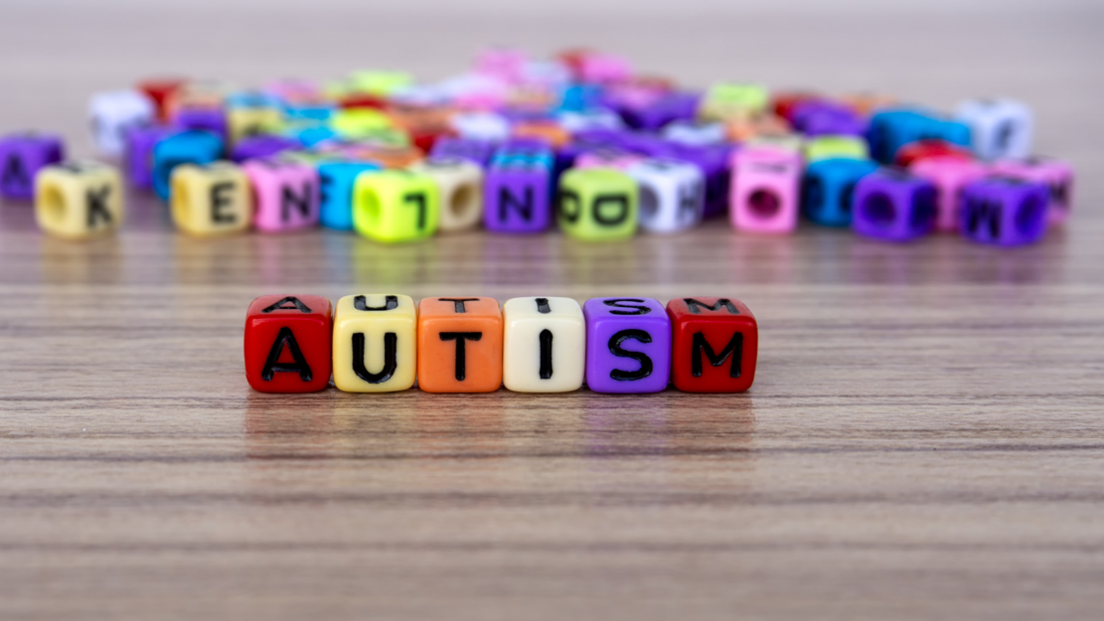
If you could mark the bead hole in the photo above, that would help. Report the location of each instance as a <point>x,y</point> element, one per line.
<point>462,200</point>
<point>53,204</point>
<point>879,210</point>
<point>764,204</point>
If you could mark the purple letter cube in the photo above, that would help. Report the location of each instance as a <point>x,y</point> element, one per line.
<point>138,158</point>
<point>261,146</point>
<point>892,205</point>
<point>209,119</point>
<point>1003,211</point>
<point>628,345</point>
<point>517,190</point>
<point>476,151</point>
<point>21,157</point>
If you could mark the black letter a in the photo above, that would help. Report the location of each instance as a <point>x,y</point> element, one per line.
<point>272,365</point>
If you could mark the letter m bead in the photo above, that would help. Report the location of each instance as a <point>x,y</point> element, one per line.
<point>714,344</point>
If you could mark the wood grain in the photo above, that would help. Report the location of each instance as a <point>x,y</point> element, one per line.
<point>924,439</point>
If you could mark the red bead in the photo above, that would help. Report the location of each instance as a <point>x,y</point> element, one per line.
<point>361,100</point>
<point>923,149</point>
<point>714,344</point>
<point>159,91</point>
<point>288,343</point>
<point>784,103</point>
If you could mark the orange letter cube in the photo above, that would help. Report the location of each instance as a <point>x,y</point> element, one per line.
<point>459,344</point>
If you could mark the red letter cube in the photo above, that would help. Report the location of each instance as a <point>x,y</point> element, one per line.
<point>288,343</point>
<point>714,344</point>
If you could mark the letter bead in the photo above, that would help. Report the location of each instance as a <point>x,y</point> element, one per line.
<point>828,189</point>
<point>211,200</point>
<point>628,345</point>
<point>336,180</point>
<point>714,344</point>
<point>394,206</point>
<point>1056,174</point>
<point>1003,211</point>
<point>21,157</point>
<point>544,345</point>
<point>189,147</point>
<point>113,112</point>
<point>518,189</point>
<point>459,344</point>
<point>949,175</point>
<point>892,205</point>
<point>375,343</point>
<point>672,194</point>
<point>286,194</point>
<point>597,204</point>
<point>288,343</point>
<point>825,147</point>
<point>460,190</point>
<point>138,156</point>
<point>999,128</point>
<point>78,199</point>
<point>765,190</point>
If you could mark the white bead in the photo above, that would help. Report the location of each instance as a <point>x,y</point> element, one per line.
<point>460,186</point>
<point>694,133</point>
<point>543,351</point>
<point>672,194</point>
<point>112,113</point>
<point>481,126</point>
<point>590,119</point>
<point>999,128</point>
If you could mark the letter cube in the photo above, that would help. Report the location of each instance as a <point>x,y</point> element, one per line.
<point>598,204</point>
<point>160,90</point>
<point>251,120</point>
<point>518,189</point>
<point>628,345</point>
<point>138,155</point>
<point>375,343</point>
<point>892,205</point>
<point>819,118</point>
<point>672,194</point>
<point>924,149</point>
<point>949,175</point>
<point>607,158</point>
<point>393,206</point>
<point>288,343</point>
<point>112,112</point>
<point>892,129</point>
<point>478,152</point>
<point>828,187</point>
<point>544,345</point>
<point>189,147</point>
<point>714,344</point>
<point>1056,174</point>
<point>825,147</point>
<point>203,118</point>
<point>286,194</point>
<point>483,126</point>
<point>460,188</point>
<point>213,199</point>
<point>22,156</point>
<point>78,199</point>
<point>459,344</point>
<point>1003,211</point>
<point>999,128</point>
<point>260,146</point>
<point>336,180</point>
<point>765,190</point>
<point>725,101</point>
<point>695,132</point>
<point>714,162</point>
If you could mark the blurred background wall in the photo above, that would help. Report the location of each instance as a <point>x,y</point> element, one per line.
<point>54,53</point>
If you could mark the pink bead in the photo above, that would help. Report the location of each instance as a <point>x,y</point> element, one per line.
<point>604,68</point>
<point>950,175</point>
<point>764,194</point>
<point>503,63</point>
<point>607,159</point>
<point>285,194</point>
<point>1056,174</point>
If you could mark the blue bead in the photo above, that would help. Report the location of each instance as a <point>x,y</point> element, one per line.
<point>828,187</point>
<point>312,135</point>
<point>252,99</point>
<point>892,129</point>
<point>190,147</point>
<point>336,181</point>
<point>580,97</point>
<point>313,112</point>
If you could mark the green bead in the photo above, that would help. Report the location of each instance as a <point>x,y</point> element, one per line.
<point>354,122</point>
<point>395,205</point>
<point>597,204</point>
<point>830,147</point>
<point>382,83</point>
<point>729,100</point>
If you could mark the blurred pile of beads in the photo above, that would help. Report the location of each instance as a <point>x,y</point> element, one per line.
<point>581,142</point>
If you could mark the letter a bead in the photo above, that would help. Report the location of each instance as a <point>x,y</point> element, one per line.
<point>21,157</point>
<point>628,345</point>
<point>544,345</point>
<point>288,343</point>
<point>211,200</point>
<point>459,344</point>
<point>714,344</point>
<point>375,343</point>
<point>78,199</point>
<point>286,195</point>
<point>393,206</point>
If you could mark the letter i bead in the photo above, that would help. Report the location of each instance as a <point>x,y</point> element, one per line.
<point>714,344</point>
<point>375,343</point>
<point>544,345</point>
<point>287,343</point>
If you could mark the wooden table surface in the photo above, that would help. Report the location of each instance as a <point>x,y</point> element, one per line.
<point>925,437</point>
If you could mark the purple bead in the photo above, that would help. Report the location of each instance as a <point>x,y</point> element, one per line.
<point>476,151</point>
<point>892,205</point>
<point>22,156</point>
<point>517,190</point>
<point>712,161</point>
<point>138,156</point>
<point>261,146</point>
<point>209,119</point>
<point>820,118</point>
<point>669,107</point>
<point>1003,211</point>
<point>628,345</point>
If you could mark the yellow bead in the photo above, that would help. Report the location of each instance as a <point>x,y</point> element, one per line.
<point>358,122</point>
<point>829,147</point>
<point>382,83</point>
<point>395,205</point>
<point>242,122</point>
<point>375,343</point>
<point>78,199</point>
<point>211,200</point>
